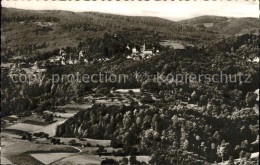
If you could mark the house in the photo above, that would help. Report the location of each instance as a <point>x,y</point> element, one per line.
<point>23,65</point>
<point>35,65</point>
<point>62,52</point>
<point>148,52</point>
<point>143,48</point>
<point>70,62</point>
<point>134,51</point>
<point>58,58</point>
<point>81,54</point>
<point>86,61</point>
<point>127,47</point>
<point>63,62</point>
<point>14,67</point>
<point>76,61</point>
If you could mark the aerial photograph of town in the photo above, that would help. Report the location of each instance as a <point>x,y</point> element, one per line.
<point>130,83</point>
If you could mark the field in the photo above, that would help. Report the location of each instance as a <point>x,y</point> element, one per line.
<point>51,128</point>
<point>94,159</point>
<point>35,122</point>
<point>48,158</point>
<point>75,107</point>
<point>84,141</point>
<point>24,159</point>
<point>4,160</point>
<point>17,151</point>
<point>172,44</point>
<point>25,127</point>
<point>41,151</point>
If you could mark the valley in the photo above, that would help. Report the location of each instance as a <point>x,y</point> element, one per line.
<point>152,117</point>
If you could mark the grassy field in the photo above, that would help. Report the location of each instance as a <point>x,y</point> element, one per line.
<point>4,160</point>
<point>94,159</point>
<point>15,132</point>
<point>127,90</point>
<point>66,114</point>
<point>24,159</point>
<point>80,159</point>
<point>75,107</point>
<point>51,128</point>
<point>35,122</point>
<point>14,146</point>
<point>41,151</point>
<point>93,142</point>
<point>25,127</point>
<point>47,158</point>
<point>172,44</point>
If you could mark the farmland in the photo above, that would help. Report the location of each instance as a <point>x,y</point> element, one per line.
<point>191,94</point>
<point>41,150</point>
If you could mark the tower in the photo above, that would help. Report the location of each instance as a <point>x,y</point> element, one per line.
<point>143,48</point>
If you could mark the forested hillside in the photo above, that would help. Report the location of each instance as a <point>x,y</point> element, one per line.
<point>31,33</point>
<point>168,129</point>
<point>192,121</point>
<point>226,25</point>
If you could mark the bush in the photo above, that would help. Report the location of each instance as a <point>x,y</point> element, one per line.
<point>109,162</point>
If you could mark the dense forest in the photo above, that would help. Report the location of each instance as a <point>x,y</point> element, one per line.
<point>49,30</point>
<point>225,25</point>
<point>166,128</point>
<point>222,126</point>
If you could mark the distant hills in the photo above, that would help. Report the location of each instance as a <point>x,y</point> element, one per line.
<point>31,31</point>
<point>229,26</point>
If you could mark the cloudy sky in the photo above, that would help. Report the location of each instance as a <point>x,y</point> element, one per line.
<point>174,10</point>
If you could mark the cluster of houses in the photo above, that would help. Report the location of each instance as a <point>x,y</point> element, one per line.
<point>143,54</point>
<point>26,68</point>
<point>63,59</point>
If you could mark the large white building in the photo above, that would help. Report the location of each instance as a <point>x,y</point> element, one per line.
<point>134,51</point>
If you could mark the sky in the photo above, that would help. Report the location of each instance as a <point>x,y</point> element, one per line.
<point>173,10</point>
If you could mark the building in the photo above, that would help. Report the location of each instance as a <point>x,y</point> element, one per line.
<point>134,51</point>
<point>81,55</point>
<point>127,47</point>
<point>143,48</point>
<point>148,52</point>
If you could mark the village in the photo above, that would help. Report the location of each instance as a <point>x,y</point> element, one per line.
<point>164,111</point>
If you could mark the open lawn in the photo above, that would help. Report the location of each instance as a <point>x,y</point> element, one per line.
<point>80,159</point>
<point>47,158</point>
<point>25,127</point>
<point>24,159</point>
<point>127,90</point>
<point>51,128</point>
<point>93,142</point>
<point>4,160</point>
<point>13,146</point>
<point>15,132</point>
<point>66,114</point>
<point>172,44</point>
<point>76,107</point>
<point>94,159</point>
<point>35,122</point>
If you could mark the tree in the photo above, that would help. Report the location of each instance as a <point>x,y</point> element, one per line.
<point>132,160</point>
<point>72,142</point>
<point>109,162</point>
<point>231,161</point>
<point>100,150</point>
<point>49,118</point>
<point>124,161</point>
<point>131,92</point>
<point>251,99</point>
